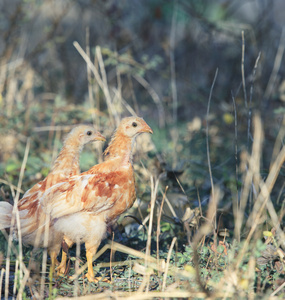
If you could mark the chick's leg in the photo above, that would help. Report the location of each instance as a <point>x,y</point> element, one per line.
<point>66,244</point>
<point>90,252</point>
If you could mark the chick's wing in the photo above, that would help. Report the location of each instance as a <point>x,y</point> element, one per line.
<point>88,192</point>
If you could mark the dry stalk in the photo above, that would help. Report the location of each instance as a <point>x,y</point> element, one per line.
<point>154,188</point>
<point>16,278</point>
<point>124,102</point>
<point>155,98</point>
<point>263,198</point>
<point>76,283</point>
<point>106,91</point>
<point>252,172</point>
<point>56,146</point>
<point>12,187</point>
<point>276,222</point>
<point>53,128</point>
<point>236,205</point>
<point>172,64</point>
<point>172,210</point>
<point>242,69</point>
<point>1,280</point>
<point>118,95</point>
<point>89,78</point>
<point>158,223</point>
<point>277,63</point>
<point>250,99</point>
<point>203,231</point>
<point>112,253</point>
<point>278,141</point>
<point>208,152</point>
<point>176,294</point>
<point>167,263</point>
<point>278,290</point>
<point>101,82</point>
<point>16,218</point>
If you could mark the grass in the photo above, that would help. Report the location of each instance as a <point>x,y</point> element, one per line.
<point>208,228</point>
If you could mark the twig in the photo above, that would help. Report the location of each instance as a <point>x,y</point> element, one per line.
<point>279,141</point>
<point>53,128</point>
<point>112,256</point>
<point>250,99</point>
<point>172,63</point>
<point>11,185</point>
<point>254,162</point>
<point>176,294</point>
<point>155,98</point>
<point>277,63</point>
<point>167,263</point>
<point>154,187</point>
<point>90,90</point>
<point>106,91</point>
<point>1,279</point>
<point>242,70</point>
<point>158,223</point>
<point>263,198</point>
<point>15,217</point>
<point>237,228</point>
<point>100,82</point>
<point>278,289</point>
<point>16,278</point>
<point>207,135</point>
<point>76,284</point>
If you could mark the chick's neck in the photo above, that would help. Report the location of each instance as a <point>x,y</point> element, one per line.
<point>120,147</point>
<point>68,158</point>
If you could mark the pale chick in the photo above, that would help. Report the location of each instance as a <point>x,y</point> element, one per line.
<point>31,211</point>
<point>82,207</point>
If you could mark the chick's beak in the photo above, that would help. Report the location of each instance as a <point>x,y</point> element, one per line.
<point>146,128</point>
<point>99,137</point>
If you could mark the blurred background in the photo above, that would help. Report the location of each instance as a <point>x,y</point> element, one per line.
<point>155,58</point>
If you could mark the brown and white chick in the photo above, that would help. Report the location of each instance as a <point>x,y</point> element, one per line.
<point>84,206</point>
<point>33,217</point>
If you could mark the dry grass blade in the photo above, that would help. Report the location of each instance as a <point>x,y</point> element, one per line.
<point>279,140</point>
<point>102,82</point>
<point>207,132</point>
<point>278,289</point>
<point>1,280</point>
<point>252,172</point>
<point>155,97</point>
<point>158,223</point>
<point>177,294</point>
<point>106,91</point>
<point>11,185</point>
<point>277,63</point>
<point>172,64</point>
<point>154,188</point>
<point>16,218</point>
<point>167,263</point>
<point>242,70</point>
<point>263,197</point>
<point>204,230</point>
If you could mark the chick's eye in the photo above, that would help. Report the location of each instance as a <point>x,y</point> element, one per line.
<point>89,133</point>
<point>134,124</point>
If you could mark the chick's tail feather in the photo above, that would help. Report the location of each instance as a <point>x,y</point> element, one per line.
<point>6,210</point>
